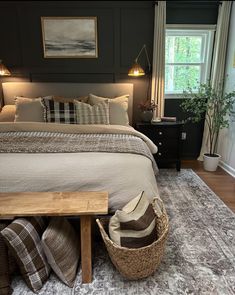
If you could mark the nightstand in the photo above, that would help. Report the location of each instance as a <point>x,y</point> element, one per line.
<point>167,137</point>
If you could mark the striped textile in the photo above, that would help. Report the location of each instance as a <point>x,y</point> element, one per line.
<point>5,283</point>
<point>23,239</point>
<point>58,112</point>
<point>134,226</point>
<point>96,114</point>
<point>61,245</point>
<point>55,142</point>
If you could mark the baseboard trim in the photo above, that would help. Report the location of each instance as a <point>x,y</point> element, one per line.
<point>227,168</point>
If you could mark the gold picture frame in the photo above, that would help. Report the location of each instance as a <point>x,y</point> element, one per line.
<point>69,37</point>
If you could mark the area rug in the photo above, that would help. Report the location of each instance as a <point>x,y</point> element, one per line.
<point>199,256</point>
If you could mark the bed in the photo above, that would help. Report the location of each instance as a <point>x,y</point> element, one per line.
<point>39,156</point>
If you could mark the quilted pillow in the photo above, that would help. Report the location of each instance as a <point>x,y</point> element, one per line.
<point>28,109</point>
<point>58,112</point>
<point>118,107</point>
<point>61,245</point>
<point>96,114</point>
<point>23,238</point>
<point>134,226</point>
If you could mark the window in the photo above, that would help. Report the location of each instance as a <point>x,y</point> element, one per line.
<point>188,58</point>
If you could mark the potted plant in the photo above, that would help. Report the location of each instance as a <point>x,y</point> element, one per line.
<point>214,106</point>
<point>147,108</point>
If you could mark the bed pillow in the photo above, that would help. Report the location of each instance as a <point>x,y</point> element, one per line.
<point>23,238</point>
<point>7,114</point>
<point>118,107</point>
<point>61,245</point>
<point>5,282</point>
<point>67,99</point>
<point>96,114</point>
<point>28,109</point>
<point>134,226</point>
<point>58,112</point>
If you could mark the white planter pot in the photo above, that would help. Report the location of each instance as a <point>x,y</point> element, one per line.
<point>210,163</point>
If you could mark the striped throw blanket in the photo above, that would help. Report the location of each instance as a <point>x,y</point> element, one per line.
<point>55,142</point>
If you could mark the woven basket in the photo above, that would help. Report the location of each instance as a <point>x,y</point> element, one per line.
<point>138,263</point>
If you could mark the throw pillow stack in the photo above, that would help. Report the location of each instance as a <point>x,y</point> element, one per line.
<point>37,248</point>
<point>90,109</point>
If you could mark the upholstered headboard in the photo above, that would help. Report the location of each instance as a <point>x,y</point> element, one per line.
<point>28,89</point>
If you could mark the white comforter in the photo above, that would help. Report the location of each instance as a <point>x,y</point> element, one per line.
<point>122,175</point>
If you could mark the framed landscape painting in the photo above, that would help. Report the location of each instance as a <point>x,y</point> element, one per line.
<point>69,37</point>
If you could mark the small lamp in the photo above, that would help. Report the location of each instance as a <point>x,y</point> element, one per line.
<point>136,70</point>
<point>3,70</point>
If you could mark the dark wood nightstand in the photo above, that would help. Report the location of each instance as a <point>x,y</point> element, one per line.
<point>167,137</point>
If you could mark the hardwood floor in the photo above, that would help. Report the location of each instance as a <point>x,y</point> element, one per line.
<point>220,181</point>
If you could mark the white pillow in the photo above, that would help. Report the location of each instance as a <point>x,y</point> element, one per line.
<point>118,107</point>
<point>96,114</point>
<point>28,109</point>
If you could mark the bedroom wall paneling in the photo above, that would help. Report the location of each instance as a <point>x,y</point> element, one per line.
<point>123,27</point>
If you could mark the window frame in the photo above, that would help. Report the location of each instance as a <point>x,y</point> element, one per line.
<point>207,32</point>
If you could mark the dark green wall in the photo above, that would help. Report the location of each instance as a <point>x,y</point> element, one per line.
<point>189,12</point>
<point>123,27</point>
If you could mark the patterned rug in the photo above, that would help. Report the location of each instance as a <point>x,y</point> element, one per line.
<point>199,256</point>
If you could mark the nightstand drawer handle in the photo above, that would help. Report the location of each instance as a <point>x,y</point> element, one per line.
<point>160,143</point>
<point>160,132</point>
<point>159,154</point>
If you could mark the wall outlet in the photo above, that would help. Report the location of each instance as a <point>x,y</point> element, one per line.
<point>183,135</point>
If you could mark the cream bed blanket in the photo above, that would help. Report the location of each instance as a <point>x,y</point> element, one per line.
<point>122,175</point>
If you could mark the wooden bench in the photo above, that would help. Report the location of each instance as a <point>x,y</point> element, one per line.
<point>82,204</point>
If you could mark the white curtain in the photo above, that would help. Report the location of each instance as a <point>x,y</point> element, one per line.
<point>218,62</point>
<point>158,71</point>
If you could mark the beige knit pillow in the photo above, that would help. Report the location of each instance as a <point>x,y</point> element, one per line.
<point>134,226</point>
<point>118,107</point>
<point>28,109</point>
<point>61,245</point>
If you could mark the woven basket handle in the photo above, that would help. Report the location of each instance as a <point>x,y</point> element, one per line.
<point>158,206</point>
<point>103,232</point>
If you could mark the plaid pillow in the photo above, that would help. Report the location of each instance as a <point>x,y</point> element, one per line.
<point>5,283</point>
<point>23,237</point>
<point>96,114</point>
<point>58,112</point>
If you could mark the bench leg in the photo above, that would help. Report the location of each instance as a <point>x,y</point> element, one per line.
<point>86,259</point>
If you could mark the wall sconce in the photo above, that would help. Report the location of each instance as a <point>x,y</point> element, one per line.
<point>136,70</point>
<point>3,70</point>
